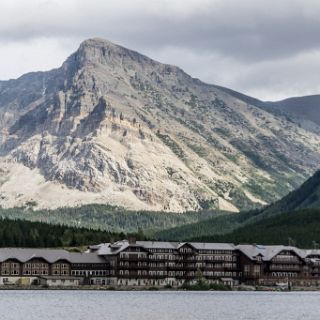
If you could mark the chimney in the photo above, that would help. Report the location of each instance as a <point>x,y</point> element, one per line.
<point>132,240</point>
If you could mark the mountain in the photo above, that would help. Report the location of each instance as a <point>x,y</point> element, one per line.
<point>113,126</point>
<point>306,108</point>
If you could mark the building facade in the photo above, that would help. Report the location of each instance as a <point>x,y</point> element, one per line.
<point>159,264</point>
<point>272,265</point>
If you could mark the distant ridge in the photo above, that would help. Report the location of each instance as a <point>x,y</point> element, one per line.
<point>307,107</point>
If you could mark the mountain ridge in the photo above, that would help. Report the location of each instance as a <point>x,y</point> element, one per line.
<point>305,107</point>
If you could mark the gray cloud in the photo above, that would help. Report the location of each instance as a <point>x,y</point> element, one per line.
<point>269,49</point>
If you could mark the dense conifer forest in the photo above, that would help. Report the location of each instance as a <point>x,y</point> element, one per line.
<point>300,228</point>
<point>20,233</point>
<point>108,218</point>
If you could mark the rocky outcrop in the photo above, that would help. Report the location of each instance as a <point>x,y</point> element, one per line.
<point>113,126</point>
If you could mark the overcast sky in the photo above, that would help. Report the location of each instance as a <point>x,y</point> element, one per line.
<point>269,49</point>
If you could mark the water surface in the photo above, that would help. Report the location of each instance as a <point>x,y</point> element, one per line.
<point>114,305</point>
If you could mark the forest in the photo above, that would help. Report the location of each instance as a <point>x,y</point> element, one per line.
<point>299,228</point>
<point>108,218</point>
<point>20,233</point>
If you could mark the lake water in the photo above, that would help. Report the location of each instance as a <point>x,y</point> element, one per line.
<point>112,305</point>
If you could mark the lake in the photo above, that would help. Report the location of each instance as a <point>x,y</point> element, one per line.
<point>142,305</point>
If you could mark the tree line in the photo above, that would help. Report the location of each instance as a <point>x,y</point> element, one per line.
<point>21,233</point>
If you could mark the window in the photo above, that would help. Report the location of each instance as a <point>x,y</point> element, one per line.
<point>246,270</point>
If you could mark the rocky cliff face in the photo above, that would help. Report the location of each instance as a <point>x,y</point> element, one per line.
<point>113,126</point>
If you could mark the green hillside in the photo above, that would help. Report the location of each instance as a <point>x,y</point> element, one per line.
<point>302,228</point>
<point>306,196</point>
<point>213,226</point>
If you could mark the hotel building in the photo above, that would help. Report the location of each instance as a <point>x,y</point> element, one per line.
<point>159,264</point>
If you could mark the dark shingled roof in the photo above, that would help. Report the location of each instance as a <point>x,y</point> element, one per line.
<point>50,255</point>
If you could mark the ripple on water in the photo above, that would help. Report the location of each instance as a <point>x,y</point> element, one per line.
<point>143,305</point>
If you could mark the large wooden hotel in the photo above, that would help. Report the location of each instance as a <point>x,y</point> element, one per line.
<point>158,264</point>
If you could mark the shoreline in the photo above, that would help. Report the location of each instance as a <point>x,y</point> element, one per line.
<point>153,289</point>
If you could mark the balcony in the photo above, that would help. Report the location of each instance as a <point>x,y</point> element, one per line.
<point>186,276</point>
<point>133,267</point>
<point>280,267</point>
<point>186,254</point>
<point>191,267</point>
<point>186,259</point>
<point>176,267</point>
<point>133,276</point>
<point>124,258</point>
<point>287,260</point>
<point>228,269</point>
<point>164,268</point>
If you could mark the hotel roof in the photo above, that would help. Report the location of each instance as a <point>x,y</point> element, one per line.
<point>49,255</point>
<point>212,246</point>
<point>267,252</point>
<point>23,255</point>
<point>115,248</point>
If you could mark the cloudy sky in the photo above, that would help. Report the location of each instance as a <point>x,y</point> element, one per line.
<point>269,49</point>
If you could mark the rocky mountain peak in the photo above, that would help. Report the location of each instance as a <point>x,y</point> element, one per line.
<point>96,51</point>
<point>114,126</point>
